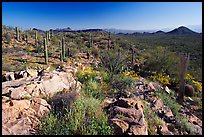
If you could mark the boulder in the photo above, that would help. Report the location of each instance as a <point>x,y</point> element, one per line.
<point>5,99</point>
<point>19,93</point>
<point>6,90</point>
<point>22,126</point>
<point>8,76</point>
<point>120,127</point>
<point>195,120</point>
<point>167,90</point>
<point>189,90</point>
<point>128,112</point>
<point>129,103</point>
<point>138,130</point>
<point>163,130</point>
<point>11,110</point>
<point>30,88</point>
<point>32,72</point>
<point>157,104</point>
<point>40,106</point>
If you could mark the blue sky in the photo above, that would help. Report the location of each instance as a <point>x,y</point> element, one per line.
<point>119,15</point>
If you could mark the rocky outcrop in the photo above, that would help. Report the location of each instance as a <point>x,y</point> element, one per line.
<point>126,116</point>
<point>24,100</point>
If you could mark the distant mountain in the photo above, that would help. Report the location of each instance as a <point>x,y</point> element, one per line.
<point>68,29</point>
<point>159,32</point>
<point>39,30</point>
<point>182,31</point>
<point>178,31</point>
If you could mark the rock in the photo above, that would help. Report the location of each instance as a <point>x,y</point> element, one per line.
<point>129,103</point>
<point>163,130</point>
<point>131,113</point>
<point>171,127</point>
<point>120,127</point>
<point>22,126</point>
<point>151,86</point>
<point>194,120</point>
<point>5,99</point>
<point>30,88</point>
<point>11,110</point>
<point>53,85</point>
<point>19,93</point>
<point>32,72</point>
<point>190,99</point>
<point>189,90</point>
<point>167,90</point>
<point>157,104</point>
<point>21,74</point>
<point>40,106</point>
<point>6,130</point>
<point>8,76</point>
<point>6,90</point>
<point>107,101</point>
<point>138,130</point>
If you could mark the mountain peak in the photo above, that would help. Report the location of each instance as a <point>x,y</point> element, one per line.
<point>182,30</point>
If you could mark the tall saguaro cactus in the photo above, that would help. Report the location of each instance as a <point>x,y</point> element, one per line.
<point>17,33</point>
<point>183,68</point>
<point>68,52</point>
<point>26,38</point>
<point>45,51</point>
<point>63,48</point>
<point>90,40</point>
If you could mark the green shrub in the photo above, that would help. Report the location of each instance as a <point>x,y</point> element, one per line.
<point>112,62</point>
<point>121,85</point>
<point>92,89</point>
<point>160,60</point>
<point>8,38</point>
<point>85,117</point>
<point>87,74</point>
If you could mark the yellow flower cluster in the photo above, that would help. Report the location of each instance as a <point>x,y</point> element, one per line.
<point>30,48</point>
<point>162,79</point>
<point>87,73</point>
<point>131,74</point>
<point>197,85</point>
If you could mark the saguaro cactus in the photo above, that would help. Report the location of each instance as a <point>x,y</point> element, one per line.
<point>183,68</point>
<point>90,40</point>
<point>45,51</point>
<point>17,33</point>
<point>68,52</point>
<point>63,48</point>
<point>26,38</point>
<point>36,38</point>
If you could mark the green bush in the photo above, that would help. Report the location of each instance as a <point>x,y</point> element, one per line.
<point>113,62</point>
<point>121,85</point>
<point>86,75</point>
<point>92,89</point>
<point>160,60</point>
<point>85,117</point>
